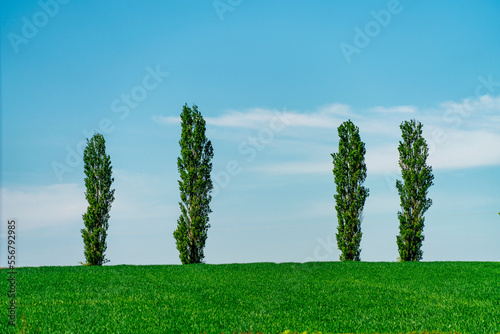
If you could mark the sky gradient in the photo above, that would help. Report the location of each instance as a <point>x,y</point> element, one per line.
<point>273,80</point>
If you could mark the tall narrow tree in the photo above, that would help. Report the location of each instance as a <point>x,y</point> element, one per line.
<point>349,170</point>
<point>194,165</point>
<point>100,196</point>
<point>417,178</point>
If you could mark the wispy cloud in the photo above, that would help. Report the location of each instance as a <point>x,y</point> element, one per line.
<point>485,103</point>
<point>460,134</point>
<point>379,160</point>
<point>465,149</point>
<point>325,117</point>
<point>483,112</point>
<point>295,167</point>
<point>138,198</point>
<point>395,109</point>
<point>253,118</point>
<point>44,206</point>
<point>166,119</point>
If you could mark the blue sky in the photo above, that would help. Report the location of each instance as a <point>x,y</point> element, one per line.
<point>274,80</point>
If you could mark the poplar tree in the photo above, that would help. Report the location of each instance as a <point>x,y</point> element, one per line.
<point>417,178</point>
<point>349,173</point>
<point>195,184</point>
<point>100,196</point>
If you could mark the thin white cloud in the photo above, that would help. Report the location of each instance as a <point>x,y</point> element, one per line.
<point>395,109</point>
<point>382,160</point>
<point>34,207</point>
<point>469,106</point>
<point>166,119</point>
<point>460,134</point>
<point>337,109</point>
<point>327,116</point>
<point>254,118</point>
<point>465,149</point>
<point>295,167</point>
<point>138,198</point>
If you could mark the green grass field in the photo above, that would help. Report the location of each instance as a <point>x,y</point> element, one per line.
<point>330,297</point>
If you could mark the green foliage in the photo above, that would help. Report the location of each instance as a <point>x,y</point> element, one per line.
<point>331,297</point>
<point>349,173</point>
<point>417,178</point>
<point>195,185</point>
<point>100,196</point>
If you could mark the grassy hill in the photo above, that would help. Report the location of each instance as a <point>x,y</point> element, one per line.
<point>259,297</point>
